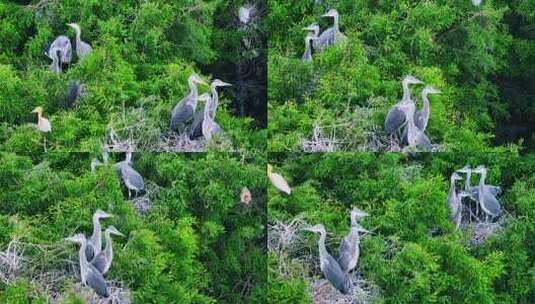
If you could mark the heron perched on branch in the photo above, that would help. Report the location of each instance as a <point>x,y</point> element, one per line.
<point>88,273</point>
<point>488,202</point>
<point>331,35</point>
<point>454,201</point>
<point>185,108</point>
<point>102,261</point>
<point>348,253</point>
<point>130,177</point>
<point>197,125</point>
<point>421,118</point>
<point>94,244</point>
<point>397,116</point>
<point>328,265</point>
<point>82,48</point>
<point>278,181</point>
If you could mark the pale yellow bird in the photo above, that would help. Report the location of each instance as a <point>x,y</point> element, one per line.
<point>278,181</point>
<point>42,123</point>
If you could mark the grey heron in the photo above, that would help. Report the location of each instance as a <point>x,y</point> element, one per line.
<point>328,265</point>
<point>185,108</point>
<point>314,29</point>
<point>488,202</point>
<point>278,181</point>
<point>421,118</point>
<point>331,35</point>
<point>43,124</point>
<point>61,44</point>
<point>102,261</point>
<point>307,55</point>
<point>416,138</point>
<point>94,244</point>
<point>209,126</point>
<point>473,191</point>
<point>130,177</point>
<point>74,91</point>
<point>397,115</point>
<point>82,48</point>
<point>348,252</point>
<point>454,201</point>
<point>196,126</point>
<point>88,273</point>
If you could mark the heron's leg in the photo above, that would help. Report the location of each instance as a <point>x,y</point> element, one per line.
<point>129,194</point>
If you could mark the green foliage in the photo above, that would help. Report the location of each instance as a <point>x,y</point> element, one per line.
<point>450,45</point>
<point>141,59</point>
<point>413,254</point>
<point>196,244</point>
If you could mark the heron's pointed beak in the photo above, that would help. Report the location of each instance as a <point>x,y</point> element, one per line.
<point>225,84</point>
<point>327,15</point>
<point>308,28</point>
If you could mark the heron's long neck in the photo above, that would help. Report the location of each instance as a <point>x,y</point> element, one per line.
<point>215,100</point>
<point>55,61</point>
<point>321,245</point>
<point>39,116</point>
<point>78,35</point>
<point>406,92</point>
<point>483,177</point>
<point>452,185</point>
<point>425,108</point>
<point>335,25</point>
<point>83,260</point>
<point>108,251</point>
<point>206,114</point>
<point>308,50</point>
<point>96,233</point>
<point>353,221</point>
<point>467,181</point>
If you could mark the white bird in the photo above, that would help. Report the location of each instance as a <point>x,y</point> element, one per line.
<point>42,123</point>
<point>82,48</point>
<point>278,181</point>
<point>476,2</point>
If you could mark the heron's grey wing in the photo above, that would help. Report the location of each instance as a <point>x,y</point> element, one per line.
<point>97,281</point>
<point>491,203</point>
<point>325,39</point>
<point>196,126</point>
<point>405,136</point>
<point>182,112</point>
<point>84,49</point>
<point>345,254</point>
<point>419,120</point>
<point>336,276</point>
<point>132,178</point>
<point>394,119</point>
<point>99,262</point>
<point>494,190</point>
<point>423,142</point>
<point>89,252</point>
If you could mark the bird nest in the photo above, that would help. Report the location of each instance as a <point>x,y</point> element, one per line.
<point>143,203</point>
<point>48,269</point>
<point>482,231</point>
<point>362,292</point>
<point>318,142</point>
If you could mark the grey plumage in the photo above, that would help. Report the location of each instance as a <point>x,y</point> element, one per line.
<point>349,251</point>
<point>454,201</point>
<point>329,266</point>
<point>130,177</point>
<point>82,48</point>
<point>488,202</point>
<point>183,111</point>
<point>63,45</point>
<point>331,35</point>
<point>94,243</point>
<point>102,261</point>
<point>397,115</point>
<point>88,273</point>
